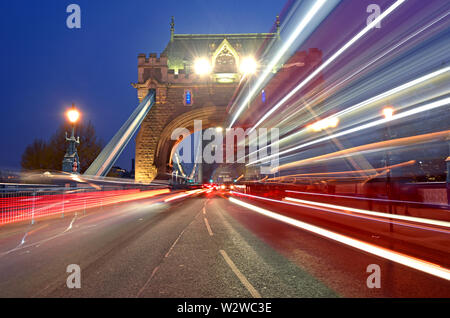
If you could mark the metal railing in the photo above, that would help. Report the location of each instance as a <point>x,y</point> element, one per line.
<point>29,203</point>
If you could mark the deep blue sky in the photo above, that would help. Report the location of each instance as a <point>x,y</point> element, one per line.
<point>45,66</point>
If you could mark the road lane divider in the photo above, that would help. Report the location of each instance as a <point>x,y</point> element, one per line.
<point>240,276</point>
<point>208,227</point>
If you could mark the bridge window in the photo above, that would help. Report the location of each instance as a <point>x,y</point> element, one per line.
<point>188,98</point>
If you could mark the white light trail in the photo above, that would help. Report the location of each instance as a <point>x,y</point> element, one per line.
<point>403,259</point>
<point>414,111</point>
<point>369,101</point>
<point>301,26</point>
<point>360,198</point>
<point>396,46</point>
<point>367,212</point>
<point>329,61</point>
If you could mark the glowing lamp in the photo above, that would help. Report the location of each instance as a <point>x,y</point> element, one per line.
<point>388,112</point>
<point>248,66</point>
<point>73,115</point>
<point>202,67</point>
<point>330,122</point>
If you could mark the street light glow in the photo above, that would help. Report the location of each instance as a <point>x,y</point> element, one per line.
<point>388,112</point>
<point>248,65</point>
<point>73,115</point>
<point>202,67</point>
<point>330,122</point>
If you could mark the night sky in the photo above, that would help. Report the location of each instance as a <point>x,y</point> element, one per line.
<point>45,66</point>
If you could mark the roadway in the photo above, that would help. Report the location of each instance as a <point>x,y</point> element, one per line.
<point>201,246</point>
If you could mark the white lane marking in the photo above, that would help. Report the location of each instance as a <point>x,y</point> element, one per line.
<point>23,240</point>
<point>38,243</point>
<point>165,256</point>
<point>242,278</point>
<point>204,210</point>
<point>179,236</point>
<point>208,227</point>
<point>406,260</point>
<point>148,281</point>
<point>374,213</point>
<point>175,242</point>
<point>71,223</point>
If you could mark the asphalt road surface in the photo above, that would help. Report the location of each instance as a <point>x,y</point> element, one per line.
<point>202,246</point>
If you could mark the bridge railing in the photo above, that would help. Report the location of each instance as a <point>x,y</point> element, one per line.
<point>27,203</point>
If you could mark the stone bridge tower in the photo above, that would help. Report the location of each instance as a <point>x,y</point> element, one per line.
<point>182,95</point>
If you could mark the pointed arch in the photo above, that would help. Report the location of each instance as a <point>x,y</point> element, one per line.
<point>225,48</point>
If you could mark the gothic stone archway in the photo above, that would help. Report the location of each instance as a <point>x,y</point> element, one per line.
<point>172,76</point>
<point>153,149</point>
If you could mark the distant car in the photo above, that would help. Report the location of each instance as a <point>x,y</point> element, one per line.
<point>227,187</point>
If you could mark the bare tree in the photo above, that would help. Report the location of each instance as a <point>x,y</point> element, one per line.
<point>49,155</point>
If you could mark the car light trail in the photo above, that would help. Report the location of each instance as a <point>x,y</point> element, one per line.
<point>333,174</point>
<point>287,44</point>
<point>414,111</point>
<point>367,102</point>
<point>412,140</point>
<point>406,260</point>
<point>402,41</point>
<point>363,198</point>
<point>183,195</point>
<point>334,211</point>
<point>374,213</point>
<point>16,209</point>
<point>329,61</point>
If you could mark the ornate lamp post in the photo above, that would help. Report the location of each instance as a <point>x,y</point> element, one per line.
<point>71,161</point>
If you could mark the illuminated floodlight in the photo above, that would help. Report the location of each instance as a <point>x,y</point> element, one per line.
<point>388,112</point>
<point>248,65</point>
<point>202,67</point>
<point>73,115</point>
<point>219,129</point>
<point>330,122</point>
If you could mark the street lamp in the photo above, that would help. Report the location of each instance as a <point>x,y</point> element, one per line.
<point>326,123</point>
<point>73,115</point>
<point>202,67</point>
<point>248,65</point>
<point>71,161</point>
<point>388,112</point>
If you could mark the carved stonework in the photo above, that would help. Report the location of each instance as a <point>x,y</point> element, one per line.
<point>210,95</point>
<point>142,92</point>
<point>161,95</point>
<point>225,62</point>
